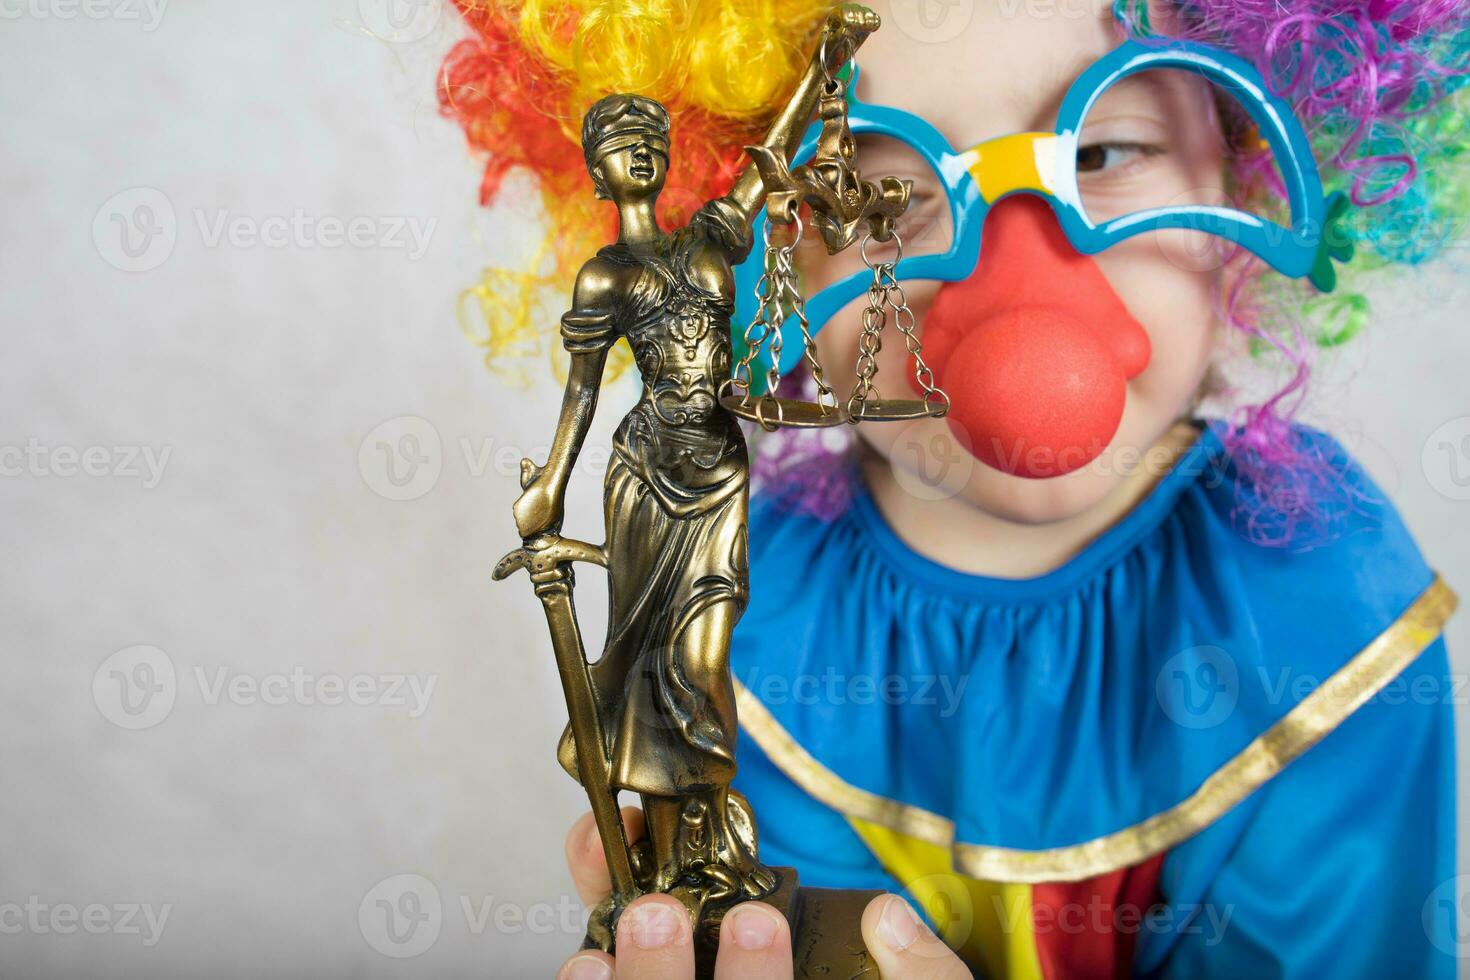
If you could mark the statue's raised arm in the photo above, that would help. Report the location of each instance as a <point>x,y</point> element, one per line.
<point>847,27</point>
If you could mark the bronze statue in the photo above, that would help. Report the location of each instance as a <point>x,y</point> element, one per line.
<point>656,713</point>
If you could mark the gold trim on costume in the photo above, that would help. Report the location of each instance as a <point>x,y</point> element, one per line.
<point>1303,727</point>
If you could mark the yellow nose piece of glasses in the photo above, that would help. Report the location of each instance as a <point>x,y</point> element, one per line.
<point>1018,162</point>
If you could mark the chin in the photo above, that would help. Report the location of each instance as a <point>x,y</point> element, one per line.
<point>1036,502</point>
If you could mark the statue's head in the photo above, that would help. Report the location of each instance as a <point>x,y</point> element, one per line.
<point>625,140</point>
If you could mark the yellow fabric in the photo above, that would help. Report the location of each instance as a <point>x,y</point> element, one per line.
<point>988,923</point>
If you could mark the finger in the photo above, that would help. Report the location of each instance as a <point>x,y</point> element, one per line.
<point>591,965</point>
<point>904,947</point>
<point>755,944</point>
<point>586,859</point>
<point>655,940</point>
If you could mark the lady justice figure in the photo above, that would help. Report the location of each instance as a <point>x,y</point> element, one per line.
<point>676,491</point>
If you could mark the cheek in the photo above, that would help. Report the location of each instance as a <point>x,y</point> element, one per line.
<point>1173,294</point>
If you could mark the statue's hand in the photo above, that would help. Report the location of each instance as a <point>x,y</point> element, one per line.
<point>539,507</point>
<point>530,473</point>
<point>848,26</point>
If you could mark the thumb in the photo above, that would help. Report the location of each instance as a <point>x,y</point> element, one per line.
<point>904,947</point>
<point>586,860</point>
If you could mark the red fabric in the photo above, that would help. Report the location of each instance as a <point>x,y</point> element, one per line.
<point>1088,930</point>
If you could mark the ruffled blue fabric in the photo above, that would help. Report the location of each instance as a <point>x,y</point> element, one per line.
<point>1046,712</point>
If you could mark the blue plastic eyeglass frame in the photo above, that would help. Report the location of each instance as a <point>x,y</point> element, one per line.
<point>1291,251</point>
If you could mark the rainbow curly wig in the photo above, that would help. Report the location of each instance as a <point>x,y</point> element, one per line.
<point>1377,84</point>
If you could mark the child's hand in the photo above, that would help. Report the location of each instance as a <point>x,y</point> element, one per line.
<point>655,941</point>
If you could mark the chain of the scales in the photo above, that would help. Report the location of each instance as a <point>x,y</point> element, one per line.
<point>780,299</point>
<point>842,204</point>
<point>885,295</point>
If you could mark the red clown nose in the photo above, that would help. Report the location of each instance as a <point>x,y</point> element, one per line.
<point>1035,349</point>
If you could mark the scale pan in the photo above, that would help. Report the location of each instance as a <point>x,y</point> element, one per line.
<point>899,410</point>
<point>784,413</point>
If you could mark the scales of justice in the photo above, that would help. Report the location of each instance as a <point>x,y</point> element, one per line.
<point>655,714</point>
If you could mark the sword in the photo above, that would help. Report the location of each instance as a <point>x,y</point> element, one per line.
<point>548,558</point>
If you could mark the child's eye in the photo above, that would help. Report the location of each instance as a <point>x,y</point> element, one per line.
<point>1097,157</point>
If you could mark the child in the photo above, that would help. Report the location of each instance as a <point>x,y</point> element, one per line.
<point>1124,711</point>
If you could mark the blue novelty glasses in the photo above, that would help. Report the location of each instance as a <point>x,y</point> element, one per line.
<point>1046,165</point>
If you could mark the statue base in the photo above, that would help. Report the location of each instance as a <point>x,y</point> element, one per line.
<point>826,930</point>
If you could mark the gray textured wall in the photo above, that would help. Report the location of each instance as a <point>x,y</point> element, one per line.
<point>260,567</point>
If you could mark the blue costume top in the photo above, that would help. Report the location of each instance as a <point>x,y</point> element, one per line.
<point>1180,754</point>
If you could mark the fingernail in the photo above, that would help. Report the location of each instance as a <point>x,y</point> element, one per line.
<point>585,968</point>
<point>899,927</point>
<point>750,927</point>
<point>652,926</point>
